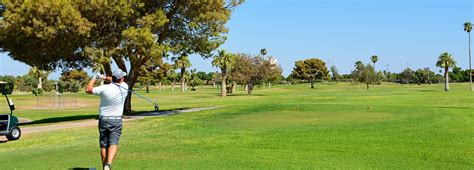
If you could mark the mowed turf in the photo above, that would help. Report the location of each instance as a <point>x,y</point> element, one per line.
<point>288,126</point>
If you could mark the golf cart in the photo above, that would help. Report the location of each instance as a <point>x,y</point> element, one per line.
<point>8,122</point>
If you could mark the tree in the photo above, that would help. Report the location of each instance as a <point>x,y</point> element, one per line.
<point>446,61</point>
<point>204,76</point>
<point>126,31</point>
<point>310,70</point>
<point>44,34</point>
<point>406,76</point>
<point>364,73</point>
<point>182,63</point>
<point>374,59</point>
<point>468,28</point>
<point>79,76</point>
<point>224,61</point>
<point>252,70</point>
<point>263,52</point>
<point>172,76</point>
<point>275,73</point>
<point>39,75</point>
<point>335,73</point>
<point>195,80</point>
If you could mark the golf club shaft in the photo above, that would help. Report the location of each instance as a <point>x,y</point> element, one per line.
<point>137,94</point>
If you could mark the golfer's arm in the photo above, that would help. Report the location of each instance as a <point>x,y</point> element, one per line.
<point>90,86</point>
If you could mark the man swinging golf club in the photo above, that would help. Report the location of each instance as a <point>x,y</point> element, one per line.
<point>112,99</point>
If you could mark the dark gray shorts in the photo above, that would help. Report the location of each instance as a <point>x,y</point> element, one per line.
<point>110,131</point>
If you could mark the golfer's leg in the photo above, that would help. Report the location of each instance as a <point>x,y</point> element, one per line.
<point>111,151</point>
<point>103,155</point>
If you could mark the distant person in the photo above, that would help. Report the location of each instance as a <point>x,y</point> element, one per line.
<point>112,99</point>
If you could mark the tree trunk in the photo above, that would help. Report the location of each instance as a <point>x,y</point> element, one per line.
<point>147,88</point>
<point>470,68</point>
<point>250,88</point>
<point>183,79</point>
<point>234,85</point>
<point>172,85</point>
<point>183,88</point>
<point>40,83</point>
<point>224,85</point>
<point>269,85</point>
<point>368,86</point>
<point>312,84</point>
<point>446,79</point>
<point>131,80</point>
<point>160,86</point>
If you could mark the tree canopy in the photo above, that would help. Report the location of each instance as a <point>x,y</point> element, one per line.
<point>55,34</point>
<point>310,70</point>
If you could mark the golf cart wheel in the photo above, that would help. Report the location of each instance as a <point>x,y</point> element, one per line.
<point>15,133</point>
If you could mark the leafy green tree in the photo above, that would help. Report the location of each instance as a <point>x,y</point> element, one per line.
<point>446,61</point>
<point>275,73</point>
<point>468,29</point>
<point>374,59</point>
<point>365,74</point>
<point>126,31</point>
<point>224,61</point>
<point>79,76</point>
<point>424,76</point>
<point>45,34</point>
<point>310,70</point>
<point>252,70</point>
<point>406,76</point>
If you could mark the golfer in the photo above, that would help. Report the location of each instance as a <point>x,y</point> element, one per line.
<point>112,99</point>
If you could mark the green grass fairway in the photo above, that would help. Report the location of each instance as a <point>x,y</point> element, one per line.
<point>290,127</point>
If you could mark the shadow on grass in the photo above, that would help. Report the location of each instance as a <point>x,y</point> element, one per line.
<point>245,94</point>
<point>85,117</point>
<point>61,119</point>
<point>134,113</point>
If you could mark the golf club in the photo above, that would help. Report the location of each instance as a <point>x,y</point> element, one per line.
<point>157,107</point>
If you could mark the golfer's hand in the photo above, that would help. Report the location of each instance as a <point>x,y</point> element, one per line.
<point>99,76</point>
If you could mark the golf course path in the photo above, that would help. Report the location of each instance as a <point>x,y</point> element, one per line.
<point>93,122</point>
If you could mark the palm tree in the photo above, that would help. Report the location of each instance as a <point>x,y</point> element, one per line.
<point>263,51</point>
<point>374,59</point>
<point>172,76</point>
<point>446,61</point>
<point>358,65</point>
<point>39,75</point>
<point>468,28</point>
<point>225,61</point>
<point>182,62</point>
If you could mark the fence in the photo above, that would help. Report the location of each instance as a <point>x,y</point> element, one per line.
<point>56,100</point>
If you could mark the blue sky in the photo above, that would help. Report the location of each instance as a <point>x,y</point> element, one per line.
<point>403,33</point>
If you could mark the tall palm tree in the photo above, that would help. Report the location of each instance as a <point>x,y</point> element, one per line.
<point>468,28</point>
<point>39,75</point>
<point>446,61</point>
<point>263,51</point>
<point>374,59</point>
<point>225,61</point>
<point>182,62</point>
<point>358,65</point>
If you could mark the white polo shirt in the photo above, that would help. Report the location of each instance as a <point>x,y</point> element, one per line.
<point>112,98</point>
